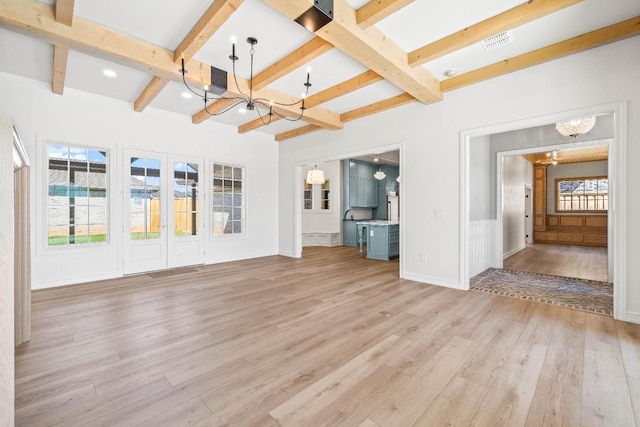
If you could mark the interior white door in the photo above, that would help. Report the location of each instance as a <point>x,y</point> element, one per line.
<point>145,208</point>
<point>186,225</point>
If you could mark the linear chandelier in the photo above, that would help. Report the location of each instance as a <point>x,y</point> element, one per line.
<point>247,102</point>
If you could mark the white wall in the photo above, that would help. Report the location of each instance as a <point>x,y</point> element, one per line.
<point>431,153</point>
<point>480,179</point>
<point>516,173</point>
<point>572,170</point>
<point>318,221</point>
<point>541,136</point>
<point>82,118</point>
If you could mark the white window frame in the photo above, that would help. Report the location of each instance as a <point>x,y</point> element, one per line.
<point>43,196</point>
<point>316,198</point>
<point>210,206</point>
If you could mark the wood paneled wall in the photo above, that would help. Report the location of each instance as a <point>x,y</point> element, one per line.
<point>586,230</point>
<point>539,198</point>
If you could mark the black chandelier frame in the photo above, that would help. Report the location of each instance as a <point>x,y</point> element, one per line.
<point>248,100</point>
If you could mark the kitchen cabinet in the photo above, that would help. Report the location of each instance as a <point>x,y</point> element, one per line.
<point>382,239</point>
<point>362,187</point>
<point>349,233</point>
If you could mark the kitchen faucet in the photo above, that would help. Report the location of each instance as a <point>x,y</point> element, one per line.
<point>345,214</point>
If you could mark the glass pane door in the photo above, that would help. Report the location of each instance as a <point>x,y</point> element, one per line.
<point>145,212</point>
<point>185,199</point>
<point>186,239</point>
<point>145,199</point>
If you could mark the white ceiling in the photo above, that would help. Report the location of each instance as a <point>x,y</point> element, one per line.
<point>167,22</point>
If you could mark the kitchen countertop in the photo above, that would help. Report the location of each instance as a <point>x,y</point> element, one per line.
<point>377,222</point>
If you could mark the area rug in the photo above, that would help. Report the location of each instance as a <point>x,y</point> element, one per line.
<point>579,294</point>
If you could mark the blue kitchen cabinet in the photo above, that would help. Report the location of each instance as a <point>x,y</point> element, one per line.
<point>349,233</point>
<point>362,190</point>
<point>382,239</point>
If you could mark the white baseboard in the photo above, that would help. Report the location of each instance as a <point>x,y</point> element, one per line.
<point>514,251</point>
<point>631,317</point>
<point>445,283</point>
<point>287,254</point>
<point>72,281</point>
<point>80,280</point>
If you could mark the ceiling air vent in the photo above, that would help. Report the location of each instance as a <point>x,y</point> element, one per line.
<point>497,41</point>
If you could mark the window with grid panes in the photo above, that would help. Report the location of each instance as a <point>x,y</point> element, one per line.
<point>77,195</point>
<point>589,194</point>
<point>228,199</point>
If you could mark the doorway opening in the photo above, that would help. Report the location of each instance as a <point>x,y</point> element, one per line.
<point>616,220</point>
<point>327,214</point>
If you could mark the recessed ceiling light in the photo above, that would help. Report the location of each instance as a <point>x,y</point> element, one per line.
<point>109,73</point>
<point>451,72</point>
<point>186,95</point>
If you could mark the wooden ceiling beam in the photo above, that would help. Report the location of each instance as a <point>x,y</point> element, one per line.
<point>305,53</point>
<point>37,19</point>
<point>376,10</point>
<point>64,15</point>
<point>612,33</point>
<point>149,93</point>
<point>367,110</point>
<point>370,47</point>
<point>296,132</point>
<point>357,82</point>
<point>60,56</point>
<point>512,18</point>
<point>216,15</point>
<point>64,11</point>
<point>214,108</point>
<point>377,107</point>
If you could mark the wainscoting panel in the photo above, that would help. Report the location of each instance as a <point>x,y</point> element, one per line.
<point>482,246</point>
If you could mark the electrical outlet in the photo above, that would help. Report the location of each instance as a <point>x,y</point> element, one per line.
<point>438,213</point>
<point>423,257</point>
<point>64,266</point>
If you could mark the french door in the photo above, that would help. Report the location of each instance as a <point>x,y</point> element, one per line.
<point>163,226</point>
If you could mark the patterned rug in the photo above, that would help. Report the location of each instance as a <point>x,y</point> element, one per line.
<point>579,294</point>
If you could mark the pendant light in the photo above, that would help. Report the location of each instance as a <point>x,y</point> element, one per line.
<point>379,175</point>
<point>315,176</point>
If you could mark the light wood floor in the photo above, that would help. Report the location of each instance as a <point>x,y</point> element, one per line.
<point>582,262</point>
<point>330,339</point>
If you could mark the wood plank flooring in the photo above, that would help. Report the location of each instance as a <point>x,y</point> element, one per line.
<point>327,340</point>
<point>582,262</point>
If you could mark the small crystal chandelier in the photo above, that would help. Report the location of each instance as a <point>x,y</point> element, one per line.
<point>576,127</point>
<point>246,101</point>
